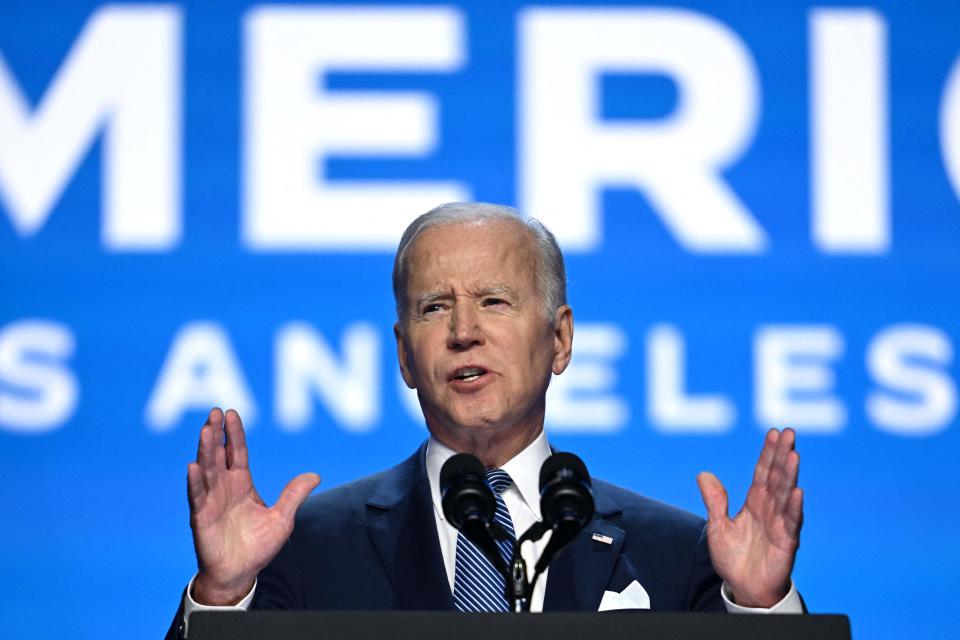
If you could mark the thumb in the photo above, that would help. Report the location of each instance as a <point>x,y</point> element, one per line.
<point>295,493</point>
<point>714,496</point>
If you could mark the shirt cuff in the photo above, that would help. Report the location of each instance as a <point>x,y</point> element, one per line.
<point>791,602</point>
<point>190,605</point>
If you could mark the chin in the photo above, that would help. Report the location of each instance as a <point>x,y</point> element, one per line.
<point>475,422</point>
<point>484,417</point>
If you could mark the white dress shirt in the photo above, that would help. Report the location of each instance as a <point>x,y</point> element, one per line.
<point>523,502</point>
<point>522,499</point>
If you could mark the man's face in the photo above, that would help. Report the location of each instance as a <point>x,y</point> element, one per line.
<point>475,342</point>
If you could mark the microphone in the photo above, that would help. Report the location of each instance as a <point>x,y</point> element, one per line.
<point>566,502</point>
<point>469,504</point>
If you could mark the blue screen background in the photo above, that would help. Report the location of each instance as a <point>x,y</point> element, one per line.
<point>95,535</point>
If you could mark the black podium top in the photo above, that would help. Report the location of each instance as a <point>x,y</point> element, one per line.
<point>611,625</point>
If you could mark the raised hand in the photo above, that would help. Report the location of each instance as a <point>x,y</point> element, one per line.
<point>754,552</point>
<point>235,534</point>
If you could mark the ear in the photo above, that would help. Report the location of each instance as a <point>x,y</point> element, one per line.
<point>562,339</point>
<point>402,358</point>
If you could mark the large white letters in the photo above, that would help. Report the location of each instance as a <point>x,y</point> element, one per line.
<point>950,126</point>
<point>581,400</point>
<point>305,364</point>
<point>670,408</point>
<point>292,124</point>
<point>122,76</point>
<point>849,131</point>
<point>200,371</point>
<point>38,393</point>
<point>793,378</point>
<point>920,399</point>
<point>568,154</point>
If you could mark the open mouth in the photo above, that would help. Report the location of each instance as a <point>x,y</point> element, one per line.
<point>468,374</point>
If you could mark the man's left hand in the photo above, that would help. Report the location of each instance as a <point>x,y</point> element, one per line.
<point>754,551</point>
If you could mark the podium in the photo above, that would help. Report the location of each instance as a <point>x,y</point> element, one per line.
<point>424,625</point>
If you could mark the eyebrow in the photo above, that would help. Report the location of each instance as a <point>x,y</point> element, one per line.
<point>495,290</point>
<point>431,297</point>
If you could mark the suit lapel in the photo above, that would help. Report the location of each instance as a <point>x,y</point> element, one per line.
<point>401,528</point>
<point>579,575</point>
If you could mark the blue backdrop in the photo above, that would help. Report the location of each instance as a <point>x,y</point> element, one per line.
<point>760,205</point>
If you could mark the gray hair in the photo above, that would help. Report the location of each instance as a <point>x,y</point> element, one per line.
<point>550,270</point>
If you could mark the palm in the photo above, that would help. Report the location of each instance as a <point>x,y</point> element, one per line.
<point>235,534</point>
<point>232,527</point>
<point>754,551</point>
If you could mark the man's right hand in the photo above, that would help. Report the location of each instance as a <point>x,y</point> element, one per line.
<point>235,534</point>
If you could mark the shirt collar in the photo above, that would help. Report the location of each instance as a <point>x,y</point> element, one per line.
<point>524,469</point>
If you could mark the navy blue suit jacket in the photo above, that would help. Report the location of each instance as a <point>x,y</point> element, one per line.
<point>372,544</point>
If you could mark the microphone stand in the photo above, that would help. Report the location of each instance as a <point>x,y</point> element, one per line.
<point>519,588</point>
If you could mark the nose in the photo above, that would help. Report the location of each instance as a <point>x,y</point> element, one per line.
<point>465,329</point>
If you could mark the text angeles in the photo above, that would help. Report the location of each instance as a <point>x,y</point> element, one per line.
<point>795,376</point>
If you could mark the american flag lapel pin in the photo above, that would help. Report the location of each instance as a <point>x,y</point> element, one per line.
<point>599,537</point>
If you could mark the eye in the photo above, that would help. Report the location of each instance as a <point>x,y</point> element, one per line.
<point>491,302</point>
<point>431,308</point>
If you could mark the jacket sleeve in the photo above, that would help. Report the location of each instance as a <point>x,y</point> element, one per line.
<point>703,593</point>
<point>279,584</point>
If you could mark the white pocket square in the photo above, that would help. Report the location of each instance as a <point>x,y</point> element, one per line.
<point>633,597</point>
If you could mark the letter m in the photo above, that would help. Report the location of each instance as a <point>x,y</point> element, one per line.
<point>121,77</point>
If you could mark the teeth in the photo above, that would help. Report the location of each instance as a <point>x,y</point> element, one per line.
<point>469,373</point>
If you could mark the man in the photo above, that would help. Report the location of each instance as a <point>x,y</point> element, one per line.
<point>482,325</point>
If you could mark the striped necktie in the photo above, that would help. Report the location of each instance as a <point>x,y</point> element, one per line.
<point>478,586</point>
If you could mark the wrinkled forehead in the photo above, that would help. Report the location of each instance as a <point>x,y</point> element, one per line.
<point>480,256</point>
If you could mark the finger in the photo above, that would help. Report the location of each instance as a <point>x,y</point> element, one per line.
<point>206,456</point>
<point>212,457</point>
<point>762,470</point>
<point>776,489</point>
<point>793,516</point>
<point>204,448</point>
<point>295,493</point>
<point>785,445</point>
<point>195,487</point>
<point>220,463</point>
<point>784,480</point>
<point>791,470</point>
<point>236,441</point>
<point>714,496</point>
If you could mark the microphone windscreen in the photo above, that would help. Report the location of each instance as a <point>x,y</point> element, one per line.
<point>459,463</point>
<point>466,497</point>
<point>563,460</point>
